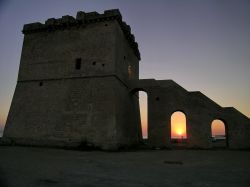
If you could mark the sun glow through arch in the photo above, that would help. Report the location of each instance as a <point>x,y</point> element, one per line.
<point>218,128</point>
<point>178,125</point>
<point>219,133</point>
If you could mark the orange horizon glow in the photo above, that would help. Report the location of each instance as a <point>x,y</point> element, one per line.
<point>178,125</point>
<point>2,122</point>
<point>218,128</point>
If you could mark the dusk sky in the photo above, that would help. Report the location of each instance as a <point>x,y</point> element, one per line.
<point>201,44</point>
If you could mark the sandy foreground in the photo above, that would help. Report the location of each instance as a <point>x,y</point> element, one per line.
<point>28,166</point>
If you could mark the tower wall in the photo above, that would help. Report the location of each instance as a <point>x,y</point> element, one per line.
<point>72,84</point>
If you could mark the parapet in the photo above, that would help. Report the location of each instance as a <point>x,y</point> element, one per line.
<point>82,19</point>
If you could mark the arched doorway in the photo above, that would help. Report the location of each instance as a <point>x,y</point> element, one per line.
<point>219,133</point>
<point>143,102</point>
<point>178,127</point>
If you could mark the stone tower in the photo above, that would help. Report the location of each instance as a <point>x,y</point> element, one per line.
<point>78,83</point>
<point>72,86</point>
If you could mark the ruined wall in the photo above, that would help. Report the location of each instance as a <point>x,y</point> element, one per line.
<point>238,128</point>
<point>166,97</point>
<point>72,83</point>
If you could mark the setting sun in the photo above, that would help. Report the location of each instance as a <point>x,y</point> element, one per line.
<point>178,125</point>
<point>179,131</point>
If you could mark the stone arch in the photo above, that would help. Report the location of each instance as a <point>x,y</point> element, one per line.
<point>178,125</point>
<point>138,89</point>
<point>224,123</point>
<point>143,109</point>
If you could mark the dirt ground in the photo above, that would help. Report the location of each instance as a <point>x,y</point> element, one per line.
<point>27,167</point>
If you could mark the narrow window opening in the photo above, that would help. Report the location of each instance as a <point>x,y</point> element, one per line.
<point>78,63</point>
<point>124,57</point>
<point>103,65</point>
<point>157,98</point>
<point>94,63</point>
<point>106,25</point>
<point>143,102</point>
<point>130,72</point>
<point>40,83</point>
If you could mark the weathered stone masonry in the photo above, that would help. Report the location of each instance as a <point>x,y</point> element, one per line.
<point>78,83</point>
<point>166,97</point>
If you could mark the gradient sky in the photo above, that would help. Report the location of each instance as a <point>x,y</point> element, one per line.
<point>201,44</point>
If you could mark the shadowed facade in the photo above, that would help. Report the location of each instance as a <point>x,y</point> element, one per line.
<point>78,83</point>
<point>166,97</point>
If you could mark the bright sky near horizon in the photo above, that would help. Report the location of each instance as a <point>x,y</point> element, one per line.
<point>201,45</point>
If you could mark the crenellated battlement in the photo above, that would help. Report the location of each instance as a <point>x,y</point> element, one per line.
<point>82,19</point>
